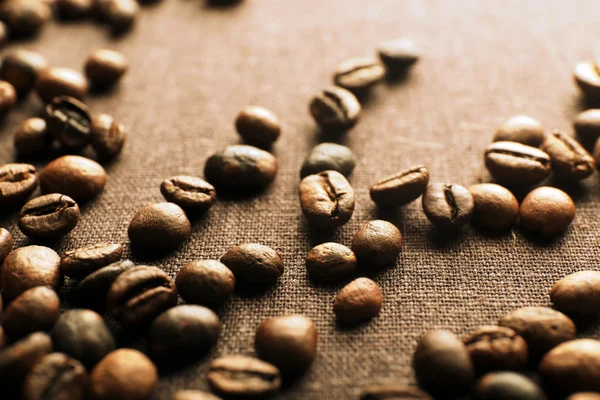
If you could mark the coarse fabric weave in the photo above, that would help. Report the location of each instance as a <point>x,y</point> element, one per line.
<point>194,67</point>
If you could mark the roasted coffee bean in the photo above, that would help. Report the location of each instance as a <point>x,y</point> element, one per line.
<point>584,396</point>
<point>160,226</point>
<point>91,292</point>
<point>329,157</point>
<point>8,97</point>
<point>139,294</point>
<point>447,205</point>
<point>517,164</point>
<point>572,367</point>
<point>358,301</point>
<point>3,33</point>
<point>570,160</point>
<point>258,126</point>
<point>442,365</point>
<point>51,216</point>
<point>182,334</point>
<point>241,167</point>
<point>398,54</point>
<point>194,395</point>
<point>56,377</point>
<point>507,385</point>
<point>74,9</point>
<point>36,309</point>
<point>394,392</point>
<point>83,335</point>
<point>495,207</point>
<point>17,182</point>
<point>79,263</point>
<point>587,124</point>
<point>121,14</point>
<point>356,74</point>
<point>578,294</point>
<point>254,264</point>
<point>596,153</point>
<point>17,359</point>
<point>541,327</point>
<point>496,348</point>
<point>401,188</point>
<point>105,67</point>
<point>55,81</point>
<point>377,244</point>
<point>6,245</point>
<point>189,192</point>
<point>330,262</point>
<point>3,339</point>
<point>288,341</point>
<point>28,267</point>
<point>205,282</point>
<point>327,199</point>
<point>547,210</point>
<point>24,17</point>
<point>21,68</point>
<point>335,108</point>
<point>69,122</point>
<point>32,137</point>
<point>124,374</point>
<point>587,77</point>
<point>521,129</point>
<point>243,376</point>
<point>107,136</point>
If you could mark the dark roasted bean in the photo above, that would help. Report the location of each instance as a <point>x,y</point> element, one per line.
<point>495,207</point>
<point>51,216</point>
<point>55,81</point>
<point>398,54</point>
<point>507,385</point>
<point>189,192</point>
<point>329,156</point>
<point>547,210</point>
<point>587,77</point>
<point>69,122</point>
<point>578,294</point>
<point>358,301</point>
<point>327,199</point>
<point>160,226</point>
<point>105,67</point>
<point>335,108</point>
<point>254,264</point>
<point>258,126</point>
<point>330,261</point>
<point>56,377</point>
<point>17,182</point>
<point>24,17</point>
<point>401,188</point>
<point>205,282</point>
<point>73,9</point>
<point>107,136</point>
<point>33,310</point>
<point>79,263</point>
<point>32,137</point>
<point>17,359</point>
<point>243,376</point>
<point>393,392</point>
<point>517,164</point>
<point>8,97</point>
<point>570,160</point>
<point>447,206</point>
<point>356,74</point>
<point>91,292</point>
<point>521,129</point>
<point>377,244</point>
<point>21,68</point>
<point>496,348</point>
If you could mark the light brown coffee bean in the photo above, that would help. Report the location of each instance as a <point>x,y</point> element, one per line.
<point>587,77</point>
<point>401,188</point>
<point>578,294</point>
<point>358,301</point>
<point>521,129</point>
<point>495,207</point>
<point>547,210</point>
<point>359,73</point>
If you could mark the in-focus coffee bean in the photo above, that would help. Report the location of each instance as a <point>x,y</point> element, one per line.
<point>359,73</point>
<point>330,262</point>
<point>258,126</point>
<point>377,244</point>
<point>21,68</point>
<point>401,188</point>
<point>189,192</point>
<point>570,161</point>
<point>243,376</point>
<point>495,207</point>
<point>547,210</point>
<point>329,156</point>
<point>587,77</point>
<point>107,136</point>
<point>32,137</point>
<point>69,122</point>
<point>521,129</point>
<point>17,359</point>
<point>394,392</point>
<point>81,262</point>
<point>205,282</point>
<point>496,348</point>
<point>517,164</point>
<point>578,294</point>
<point>91,292</point>
<point>326,199</point>
<point>51,216</point>
<point>587,125</point>
<point>36,309</point>
<point>254,264</point>
<point>335,108</point>
<point>160,226</point>
<point>447,205</point>
<point>8,97</point>
<point>17,183</point>
<point>55,81</point>
<point>105,67</point>
<point>358,301</point>
<point>194,395</point>
<point>398,54</point>
<point>24,17</point>
<point>56,377</point>
<point>6,245</point>
<point>507,385</point>
<point>74,9</point>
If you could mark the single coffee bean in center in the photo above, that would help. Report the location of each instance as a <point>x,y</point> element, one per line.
<point>401,188</point>
<point>160,226</point>
<point>241,376</point>
<point>578,294</point>
<point>359,73</point>
<point>496,348</point>
<point>55,81</point>
<point>189,192</point>
<point>205,282</point>
<point>79,263</point>
<point>48,217</point>
<point>358,301</point>
<point>521,129</point>
<point>330,262</point>
<point>329,156</point>
<point>447,205</point>
<point>547,210</point>
<point>326,199</point>
<point>398,54</point>
<point>335,108</point>
<point>258,126</point>
<point>517,164</point>
<point>107,136</point>
<point>377,244</point>
<point>495,207</point>
<point>56,376</point>
<point>17,183</point>
<point>254,264</point>
<point>25,17</point>
<point>105,67</point>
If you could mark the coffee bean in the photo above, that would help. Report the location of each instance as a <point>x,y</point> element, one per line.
<point>21,68</point>
<point>205,282</point>
<point>335,108</point>
<point>32,137</point>
<point>288,341</point>
<point>55,81</point>
<point>442,365</point>
<point>587,125</point>
<point>241,167</point>
<point>521,129</point>
<point>398,54</point>
<point>243,376</point>
<point>139,294</point>
<point>584,396</point>
<point>401,188</point>
<point>3,338</point>
<point>547,210</point>
<point>587,77</point>
<point>105,67</point>
<point>74,9</point>
<point>107,136</point>
<point>4,35</point>
<point>377,244</point>
<point>496,348</point>
<point>193,395</point>
<point>578,294</point>
<point>160,226</point>
<point>6,245</point>
<point>24,17</point>
<point>394,392</point>
<point>356,74</point>
<point>327,199</point>
<point>17,182</point>
<point>330,262</point>
<point>541,327</point>
<point>8,97</point>
<point>124,374</point>
<point>517,164</point>
<point>570,161</point>
<point>358,301</point>
<point>17,359</point>
<point>121,14</point>
<point>495,207</point>
<point>258,126</point>
<point>189,192</point>
<point>79,263</point>
<point>51,216</point>
<point>571,367</point>
<point>329,157</point>
<point>69,122</point>
<point>91,292</point>
<point>182,334</point>
<point>28,267</point>
<point>447,205</point>
<point>33,310</point>
<point>83,335</point>
<point>254,264</point>
<point>507,385</point>
<point>56,377</point>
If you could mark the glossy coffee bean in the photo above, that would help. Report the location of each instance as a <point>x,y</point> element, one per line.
<point>91,292</point>
<point>398,54</point>
<point>69,122</point>
<point>24,17</point>
<point>55,81</point>
<point>183,334</point>
<point>121,14</point>
<point>401,188</point>
<point>327,157</point>
<point>193,395</point>
<point>139,294</point>
<point>570,161</point>
<point>517,164</point>
<point>356,74</point>
<point>51,216</point>
<point>587,77</point>
<point>74,9</point>
<point>20,68</point>
<point>521,129</point>
<point>81,262</point>
<point>288,341</point>
<point>547,210</point>
<point>83,335</point>
<point>507,385</point>
<point>17,183</point>
<point>335,108</point>
<point>105,67</point>
<point>496,348</point>
<point>578,294</point>
<point>326,199</point>
<point>107,136</point>
<point>447,205</point>
<point>32,137</point>
<point>495,207</point>
<point>585,396</point>
<point>394,392</point>
<point>205,282</point>
<point>542,328</point>
<point>254,264</point>
<point>6,246</point>
<point>36,309</point>
<point>8,97</point>
<point>330,262</point>
<point>28,267</point>
<point>75,176</point>
<point>243,376</point>
<point>358,301</point>
<point>160,226</point>
<point>442,365</point>
<point>124,374</point>
<point>377,244</point>
<point>258,126</point>
<point>571,367</point>
<point>4,34</point>
<point>587,124</point>
<point>17,359</point>
<point>56,377</point>
<point>189,192</point>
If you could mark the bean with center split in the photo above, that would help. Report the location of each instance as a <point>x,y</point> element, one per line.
<point>49,217</point>
<point>447,206</point>
<point>517,164</point>
<point>17,183</point>
<point>243,376</point>
<point>189,192</point>
<point>327,199</point>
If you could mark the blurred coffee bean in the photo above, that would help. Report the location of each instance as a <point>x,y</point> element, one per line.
<point>32,137</point>
<point>335,108</point>
<point>587,125</point>
<point>105,67</point>
<point>55,81</point>
<point>20,68</point>
<point>36,309</point>
<point>74,9</point>
<point>521,129</point>
<point>496,348</point>
<point>17,183</point>
<point>6,246</point>
<point>92,290</point>
<point>24,17</point>
<point>358,73</point>
<point>258,126</point>
<point>17,359</point>
<point>587,77</point>
<point>398,54</point>
<point>507,385</point>
<point>240,376</point>
<point>8,97</point>
<point>107,136</point>
<point>327,157</point>
<point>121,14</point>
<point>578,294</point>
<point>56,377</point>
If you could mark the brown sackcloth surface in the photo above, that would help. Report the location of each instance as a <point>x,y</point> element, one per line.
<point>193,68</point>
